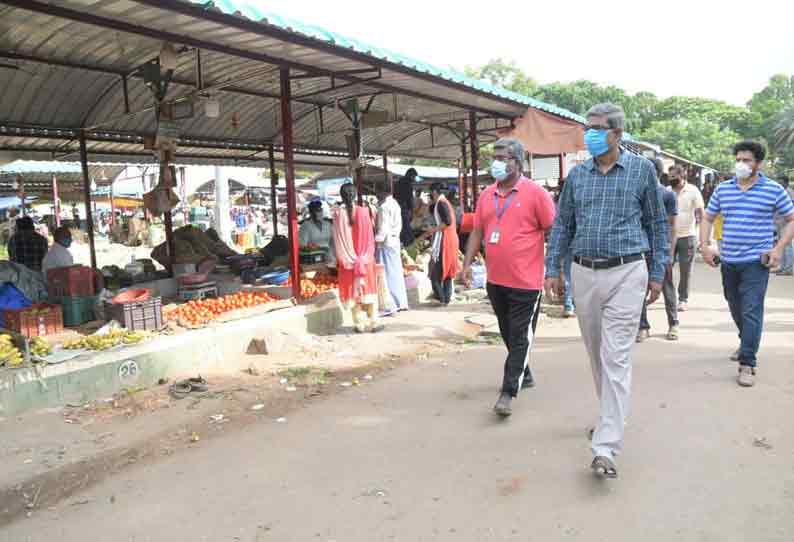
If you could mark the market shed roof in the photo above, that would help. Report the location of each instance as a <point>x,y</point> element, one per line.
<point>79,64</point>
<point>37,176</point>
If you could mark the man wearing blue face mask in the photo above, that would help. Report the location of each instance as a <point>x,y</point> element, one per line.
<point>612,219</point>
<point>58,255</point>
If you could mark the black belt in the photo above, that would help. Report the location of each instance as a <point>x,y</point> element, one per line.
<point>607,263</point>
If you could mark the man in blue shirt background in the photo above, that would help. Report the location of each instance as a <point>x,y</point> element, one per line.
<point>668,288</point>
<point>748,204</point>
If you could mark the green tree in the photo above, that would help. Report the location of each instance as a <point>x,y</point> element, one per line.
<point>784,129</point>
<point>702,141</point>
<point>504,74</point>
<point>728,116</point>
<point>766,106</point>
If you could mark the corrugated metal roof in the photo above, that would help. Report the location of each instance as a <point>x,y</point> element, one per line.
<point>253,13</point>
<point>21,167</point>
<point>69,60</point>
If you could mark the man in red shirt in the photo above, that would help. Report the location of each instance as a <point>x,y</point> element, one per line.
<point>512,218</point>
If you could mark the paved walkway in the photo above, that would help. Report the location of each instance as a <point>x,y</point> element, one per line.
<point>416,455</point>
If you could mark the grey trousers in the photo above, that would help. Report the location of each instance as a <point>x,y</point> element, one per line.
<point>670,305</point>
<point>685,254</point>
<point>608,306</point>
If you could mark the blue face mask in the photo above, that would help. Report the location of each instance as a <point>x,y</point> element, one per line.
<point>596,142</point>
<point>499,170</point>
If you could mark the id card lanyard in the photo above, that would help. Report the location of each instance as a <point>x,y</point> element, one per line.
<point>495,235</point>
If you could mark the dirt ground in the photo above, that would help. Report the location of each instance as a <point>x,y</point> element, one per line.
<point>414,453</point>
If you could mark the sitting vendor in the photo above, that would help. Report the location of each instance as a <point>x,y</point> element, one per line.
<point>58,255</point>
<point>316,232</point>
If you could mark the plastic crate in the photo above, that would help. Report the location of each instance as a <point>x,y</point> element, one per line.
<point>77,310</point>
<point>144,316</point>
<point>313,257</point>
<point>35,321</point>
<point>73,281</point>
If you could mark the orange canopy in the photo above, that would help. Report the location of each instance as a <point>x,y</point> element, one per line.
<point>544,133</point>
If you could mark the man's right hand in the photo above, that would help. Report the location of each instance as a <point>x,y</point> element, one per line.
<point>466,275</point>
<point>554,286</point>
<point>708,254</point>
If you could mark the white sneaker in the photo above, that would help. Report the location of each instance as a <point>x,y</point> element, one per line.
<point>682,306</point>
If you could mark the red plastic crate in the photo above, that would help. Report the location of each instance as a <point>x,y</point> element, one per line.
<point>35,321</point>
<point>73,281</point>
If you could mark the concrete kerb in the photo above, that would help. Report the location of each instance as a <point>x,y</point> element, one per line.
<point>217,348</point>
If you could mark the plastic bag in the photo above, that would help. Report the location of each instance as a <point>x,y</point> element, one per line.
<point>479,276</point>
<point>10,299</point>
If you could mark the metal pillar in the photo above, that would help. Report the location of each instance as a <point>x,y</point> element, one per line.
<point>386,177</point>
<point>183,194</point>
<point>56,205</point>
<point>464,189</point>
<point>89,219</point>
<point>562,166</point>
<point>289,178</point>
<point>273,192</point>
<point>475,158</point>
<point>358,177</point>
<point>168,221</point>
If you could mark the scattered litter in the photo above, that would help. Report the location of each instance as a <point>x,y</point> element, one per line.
<point>368,377</point>
<point>162,382</point>
<point>28,461</point>
<point>258,406</point>
<point>283,381</point>
<point>762,443</point>
<point>374,493</point>
<point>356,382</point>
<point>82,502</point>
<point>281,420</point>
<point>345,384</point>
<point>70,420</point>
<point>291,388</point>
<point>218,418</point>
<point>445,364</point>
<point>194,437</point>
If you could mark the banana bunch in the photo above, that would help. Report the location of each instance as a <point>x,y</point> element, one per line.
<point>9,353</point>
<point>107,341</point>
<point>40,347</point>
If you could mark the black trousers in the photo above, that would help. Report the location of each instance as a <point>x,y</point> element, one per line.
<point>516,311</point>
<point>442,289</point>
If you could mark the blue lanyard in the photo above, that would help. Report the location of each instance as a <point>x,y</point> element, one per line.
<point>508,200</point>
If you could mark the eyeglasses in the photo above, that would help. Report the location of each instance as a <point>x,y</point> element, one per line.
<point>596,127</point>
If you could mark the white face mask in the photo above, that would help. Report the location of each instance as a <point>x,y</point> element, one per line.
<point>743,171</point>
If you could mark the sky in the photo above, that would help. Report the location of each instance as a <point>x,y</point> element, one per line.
<point>725,50</point>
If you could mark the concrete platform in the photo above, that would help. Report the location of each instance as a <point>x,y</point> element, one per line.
<point>211,349</point>
<point>216,349</point>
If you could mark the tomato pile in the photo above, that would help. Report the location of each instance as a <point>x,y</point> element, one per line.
<point>199,312</point>
<point>316,286</point>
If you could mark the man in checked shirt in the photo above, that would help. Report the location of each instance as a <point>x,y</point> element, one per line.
<point>612,218</point>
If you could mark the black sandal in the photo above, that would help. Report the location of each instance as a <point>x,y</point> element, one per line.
<point>604,467</point>
<point>180,390</point>
<point>198,384</point>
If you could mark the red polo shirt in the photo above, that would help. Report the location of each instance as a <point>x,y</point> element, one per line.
<point>516,261</point>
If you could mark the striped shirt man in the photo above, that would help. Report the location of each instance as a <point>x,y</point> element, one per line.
<point>748,228</point>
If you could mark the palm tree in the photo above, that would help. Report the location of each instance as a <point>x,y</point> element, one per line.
<point>784,128</point>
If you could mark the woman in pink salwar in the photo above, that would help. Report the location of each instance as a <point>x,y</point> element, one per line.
<point>354,240</point>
